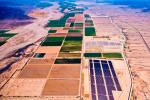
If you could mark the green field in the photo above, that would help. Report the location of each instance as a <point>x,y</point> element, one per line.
<point>74,38</point>
<point>51,44</point>
<point>72,43</point>
<point>78,24</point>
<point>53,41</point>
<point>112,55</point>
<point>89,22</point>
<point>68,61</point>
<point>90,31</point>
<point>74,31</point>
<point>52,31</point>
<point>7,35</point>
<point>70,48</point>
<point>61,22</point>
<point>92,55</point>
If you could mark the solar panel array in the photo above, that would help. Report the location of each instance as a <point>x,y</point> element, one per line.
<point>103,80</point>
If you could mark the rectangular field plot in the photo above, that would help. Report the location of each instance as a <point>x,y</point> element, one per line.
<point>53,41</point>
<point>35,71</point>
<point>70,55</point>
<point>92,54</point>
<point>42,61</point>
<point>62,87</point>
<point>90,31</point>
<point>77,38</point>
<point>48,49</point>
<point>71,49</point>
<point>68,61</point>
<point>23,87</point>
<point>57,35</point>
<point>52,31</point>
<point>74,35</point>
<point>89,23</point>
<point>74,31</point>
<point>8,35</point>
<point>112,55</point>
<point>72,43</point>
<point>78,24</point>
<point>65,71</point>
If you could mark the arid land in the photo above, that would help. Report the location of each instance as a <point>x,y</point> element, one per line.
<point>119,29</point>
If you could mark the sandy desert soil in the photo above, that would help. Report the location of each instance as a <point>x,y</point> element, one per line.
<point>135,26</point>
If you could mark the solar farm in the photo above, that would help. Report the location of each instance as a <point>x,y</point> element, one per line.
<point>72,63</point>
<point>103,80</point>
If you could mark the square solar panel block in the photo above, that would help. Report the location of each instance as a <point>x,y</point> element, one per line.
<point>107,73</point>
<point>98,72</point>
<point>105,66</point>
<point>99,80</point>
<point>97,65</point>
<point>101,89</point>
<point>109,81</point>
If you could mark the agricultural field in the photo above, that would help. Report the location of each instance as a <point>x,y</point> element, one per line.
<point>90,31</point>
<point>53,41</point>
<point>112,55</point>
<point>69,62</point>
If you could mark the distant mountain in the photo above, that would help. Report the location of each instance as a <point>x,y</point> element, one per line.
<point>12,13</point>
<point>16,9</point>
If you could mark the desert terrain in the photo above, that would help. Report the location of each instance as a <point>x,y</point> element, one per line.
<point>134,24</point>
<point>77,51</point>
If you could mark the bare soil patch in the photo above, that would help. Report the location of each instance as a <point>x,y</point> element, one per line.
<point>65,71</point>
<point>61,87</point>
<point>35,71</point>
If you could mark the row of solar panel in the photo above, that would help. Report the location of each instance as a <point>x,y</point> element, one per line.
<point>102,79</point>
